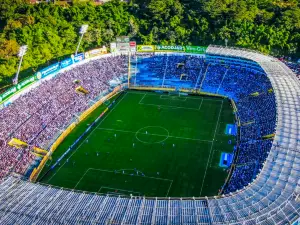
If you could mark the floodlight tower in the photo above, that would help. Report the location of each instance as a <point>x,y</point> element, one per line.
<point>22,52</point>
<point>82,31</point>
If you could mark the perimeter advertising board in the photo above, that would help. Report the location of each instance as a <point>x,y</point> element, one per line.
<point>65,63</point>
<point>169,48</point>
<point>96,52</point>
<point>8,93</point>
<point>196,49</point>
<point>132,45</point>
<point>16,88</point>
<point>78,57</point>
<point>26,82</point>
<point>145,48</point>
<point>48,70</point>
<point>172,48</point>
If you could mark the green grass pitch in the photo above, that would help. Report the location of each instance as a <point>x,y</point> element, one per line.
<point>149,144</point>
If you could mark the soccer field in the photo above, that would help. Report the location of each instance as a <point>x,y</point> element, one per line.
<point>149,144</point>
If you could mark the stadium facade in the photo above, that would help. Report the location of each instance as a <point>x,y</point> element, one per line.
<point>272,197</point>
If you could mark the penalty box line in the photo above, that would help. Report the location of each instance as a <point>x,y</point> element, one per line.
<point>110,171</point>
<point>176,107</point>
<point>168,106</point>
<point>159,135</point>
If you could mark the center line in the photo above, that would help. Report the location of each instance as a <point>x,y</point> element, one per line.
<point>159,135</point>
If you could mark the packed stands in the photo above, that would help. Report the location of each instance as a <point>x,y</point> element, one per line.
<point>295,67</point>
<point>264,186</point>
<point>41,114</point>
<point>251,90</point>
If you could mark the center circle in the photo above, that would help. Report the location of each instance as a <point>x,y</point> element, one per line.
<point>152,134</point>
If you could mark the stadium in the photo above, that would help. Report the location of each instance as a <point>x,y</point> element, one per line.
<point>151,134</point>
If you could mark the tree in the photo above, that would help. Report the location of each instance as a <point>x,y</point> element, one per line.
<point>51,31</point>
<point>8,49</point>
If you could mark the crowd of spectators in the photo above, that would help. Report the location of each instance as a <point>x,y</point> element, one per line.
<point>294,66</point>
<point>37,116</point>
<point>184,71</point>
<point>249,88</point>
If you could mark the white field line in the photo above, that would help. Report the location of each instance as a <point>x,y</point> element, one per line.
<point>81,178</point>
<point>175,107</point>
<point>212,144</point>
<point>99,191</point>
<point>111,171</point>
<point>212,100</point>
<point>200,104</point>
<point>212,155</point>
<point>169,189</point>
<point>142,98</point>
<point>174,98</point>
<point>159,135</point>
<point>170,107</point>
<point>83,141</point>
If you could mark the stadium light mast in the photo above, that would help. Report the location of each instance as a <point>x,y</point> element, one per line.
<point>82,31</point>
<point>22,52</point>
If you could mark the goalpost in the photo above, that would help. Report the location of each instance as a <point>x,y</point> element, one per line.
<point>177,93</point>
<point>174,93</point>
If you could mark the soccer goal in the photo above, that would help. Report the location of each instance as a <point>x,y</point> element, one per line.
<point>177,93</point>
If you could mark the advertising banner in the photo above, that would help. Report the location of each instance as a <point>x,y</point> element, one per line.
<point>132,45</point>
<point>145,48</point>
<point>172,48</point>
<point>65,63</point>
<point>48,70</point>
<point>26,82</point>
<point>123,47</point>
<point>96,52</point>
<point>16,88</point>
<point>196,49</point>
<point>77,58</point>
<point>8,93</point>
<point>169,48</point>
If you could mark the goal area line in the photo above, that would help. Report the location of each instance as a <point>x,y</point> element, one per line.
<point>123,190</point>
<point>173,98</point>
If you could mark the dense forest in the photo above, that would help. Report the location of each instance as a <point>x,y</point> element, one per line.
<point>51,30</point>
